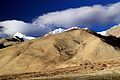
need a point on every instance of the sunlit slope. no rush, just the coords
(66, 49)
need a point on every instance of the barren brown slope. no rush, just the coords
(105, 70)
(62, 50)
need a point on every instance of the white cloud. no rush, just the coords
(96, 16)
(88, 16)
(10, 27)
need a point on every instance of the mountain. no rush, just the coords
(114, 31)
(58, 51)
(9, 42)
(60, 30)
(16, 39)
(19, 35)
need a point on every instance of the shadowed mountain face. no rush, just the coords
(70, 48)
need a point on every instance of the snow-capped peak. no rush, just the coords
(60, 30)
(72, 28)
(22, 36)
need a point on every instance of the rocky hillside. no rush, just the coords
(9, 42)
(55, 51)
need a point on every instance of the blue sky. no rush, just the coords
(38, 17)
(27, 10)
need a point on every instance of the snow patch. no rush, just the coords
(102, 33)
(22, 36)
(60, 30)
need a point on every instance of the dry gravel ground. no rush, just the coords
(105, 70)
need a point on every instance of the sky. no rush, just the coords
(37, 17)
(27, 10)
